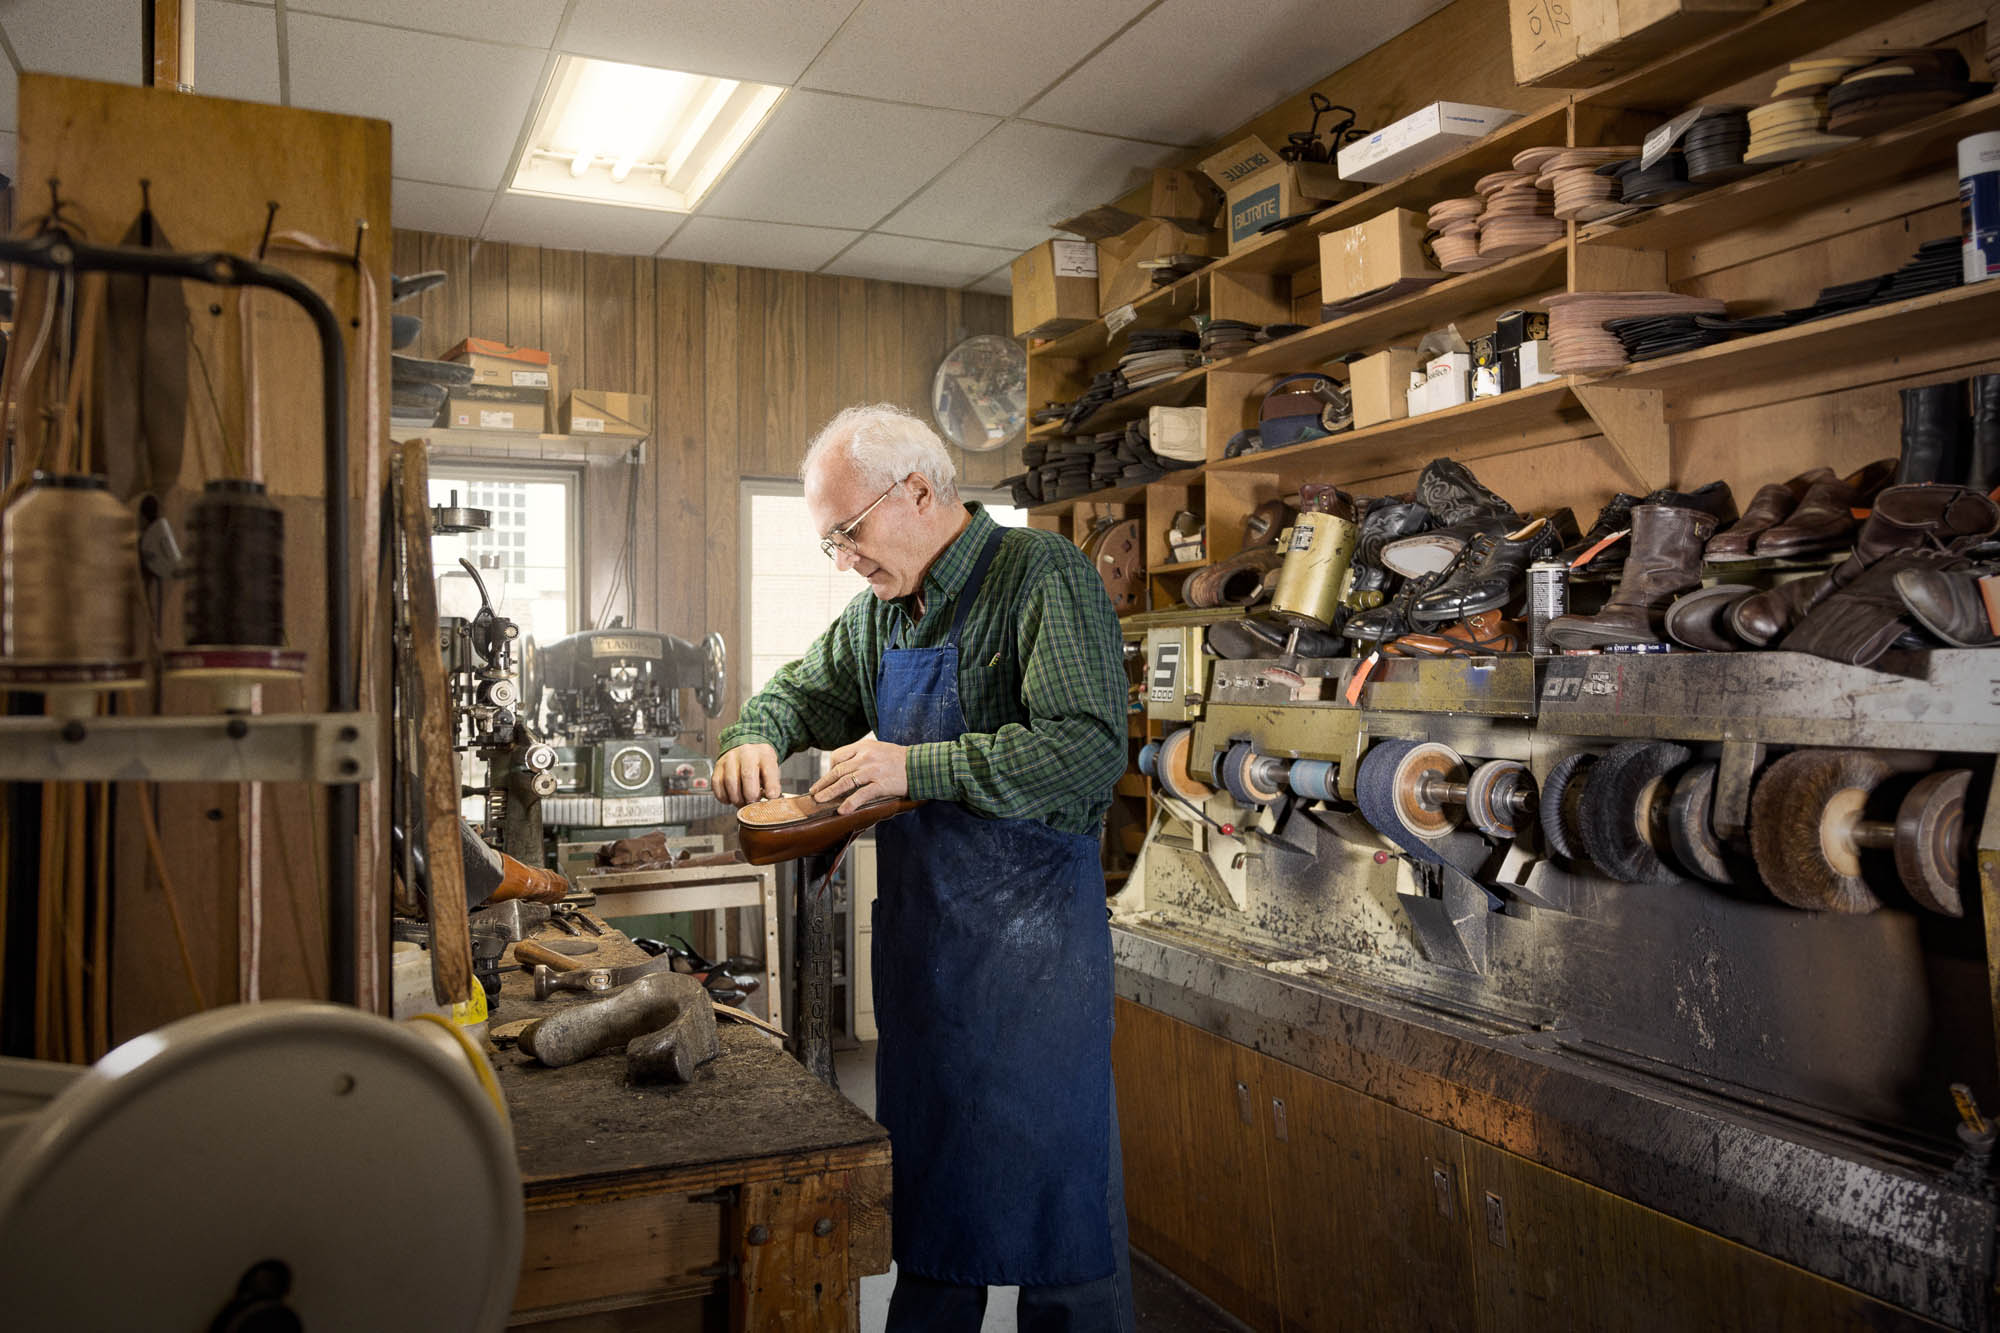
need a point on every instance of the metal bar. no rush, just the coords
(281, 747)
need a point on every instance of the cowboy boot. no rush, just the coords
(1903, 518)
(1983, 469)
(1934, 434)
(1770, 506)
(1452, 494)
(1489, 579)
(1824, 518)
(1385, 521)
(1664, 561)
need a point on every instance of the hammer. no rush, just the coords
(549, 978)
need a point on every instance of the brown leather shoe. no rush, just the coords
(1947, 602)
(1824, 518)
(1699, 619)
(789, 827)
(1237, 581)
(1770, 506)
(1482, 635)
(1665, 562)
(1903, 517)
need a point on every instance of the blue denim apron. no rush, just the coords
(993, 999)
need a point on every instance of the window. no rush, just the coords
(528, 557)
(792, 592)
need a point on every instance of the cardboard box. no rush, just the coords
(1261, 187)
(1420, 138)
(625, 416)
(497, 407)
(497, 363)
(1534, 364)
(1120, 279)
(1577, 43)
(1174, 195)
(1380, 386)
(1447, 383)
(1387, 249)
(1054, 288)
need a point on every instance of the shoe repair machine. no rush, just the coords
(1572, 887)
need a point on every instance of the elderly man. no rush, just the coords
(987, 663)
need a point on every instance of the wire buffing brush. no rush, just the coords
(1619, 814)
(1697, 847)
(1810, 832)
(1562, 791)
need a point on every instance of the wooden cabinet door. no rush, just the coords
(1370, 1219)
(1195, 1192)
(1555, 1254)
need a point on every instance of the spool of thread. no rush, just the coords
(68, 564)
(1979, 204)
(236, 568)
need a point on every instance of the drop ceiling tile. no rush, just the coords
(1253, 53)
(457, 106)
(932, 263)
(771, 41)
(1020, 180)
(566, 224)
(451, 209)
(974, 55)
(237, 48)
(840, 161)
(86, 39)
(757, 244)
(518, 22)
(1000, 282)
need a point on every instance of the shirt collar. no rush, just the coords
(949, 571)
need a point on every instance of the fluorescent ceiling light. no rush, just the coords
(639, 137)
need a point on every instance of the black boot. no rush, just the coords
(1983, 470)
(1386, 520)
(1934, 434)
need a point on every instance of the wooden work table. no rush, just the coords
(754, 1197)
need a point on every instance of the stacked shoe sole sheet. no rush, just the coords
(1581, 344)
(1792, 125)
(1508, 213)
(1582, 192)
(1224, 338)
(1714, 144)
(1153, 356)
(1898, 87)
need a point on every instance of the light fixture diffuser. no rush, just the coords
(635, 136)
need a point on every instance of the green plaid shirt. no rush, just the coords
(1041, 679)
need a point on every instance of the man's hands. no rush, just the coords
(862, 773)
(747, 773)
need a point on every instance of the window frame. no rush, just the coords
(569, 476)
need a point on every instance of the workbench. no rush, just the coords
(754, 1197)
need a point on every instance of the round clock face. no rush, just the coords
(980, 394)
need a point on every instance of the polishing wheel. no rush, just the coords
(1500, 798)
(1810, 832)
(1618, 814)
(1176, 749)
(1251, 778)
(1421, 779)
(1314, 779)
(1561, 791)
(1375, 787)
(1691, 831)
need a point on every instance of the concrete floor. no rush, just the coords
(1161, 1301)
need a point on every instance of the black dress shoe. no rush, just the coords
(1614, 517)
(1489, 578)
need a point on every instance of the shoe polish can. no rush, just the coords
(1548, 598)
(1979, 205)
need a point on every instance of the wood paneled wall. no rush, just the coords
(743, 365)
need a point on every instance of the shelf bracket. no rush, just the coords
(336, 749)
(1637, 432)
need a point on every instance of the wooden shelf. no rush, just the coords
(513, 444)
(1786, 30)
(1522, 275)
(1179, 567)
(1523, 419)
(1110, 495)
(1179, 391)
(1962, 316)
(1161, 308)
(1905, 153)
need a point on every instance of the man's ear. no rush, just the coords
(921, 493)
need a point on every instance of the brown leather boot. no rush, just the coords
(1237, 581)
(1770, 506)
(1665, 561)
(1903, 517)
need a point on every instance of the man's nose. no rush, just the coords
(845, 557)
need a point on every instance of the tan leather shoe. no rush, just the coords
(789, 827)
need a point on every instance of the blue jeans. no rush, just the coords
(925, 1305)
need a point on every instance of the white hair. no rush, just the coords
(885, 444)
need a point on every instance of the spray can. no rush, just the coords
(1979, 205)
(1548, 597)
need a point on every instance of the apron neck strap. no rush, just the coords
(970, 591)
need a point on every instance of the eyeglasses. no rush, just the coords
(839, 540)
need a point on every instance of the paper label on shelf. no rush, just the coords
(1116, 321)
(495, 420)
(1074, 259)
(1665, 136)
(586, 425)
(531, 379)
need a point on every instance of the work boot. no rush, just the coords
(1903, 518)
(1770, 506)
(1664, 562)
(1867, 618)
(1490, 576)
(1982, 471)
(1385, 521)
(1238, 581)
(1934, 434)
(1824, 518)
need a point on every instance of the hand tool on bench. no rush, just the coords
(570, 976)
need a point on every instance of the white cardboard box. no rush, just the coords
(1420, 137)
